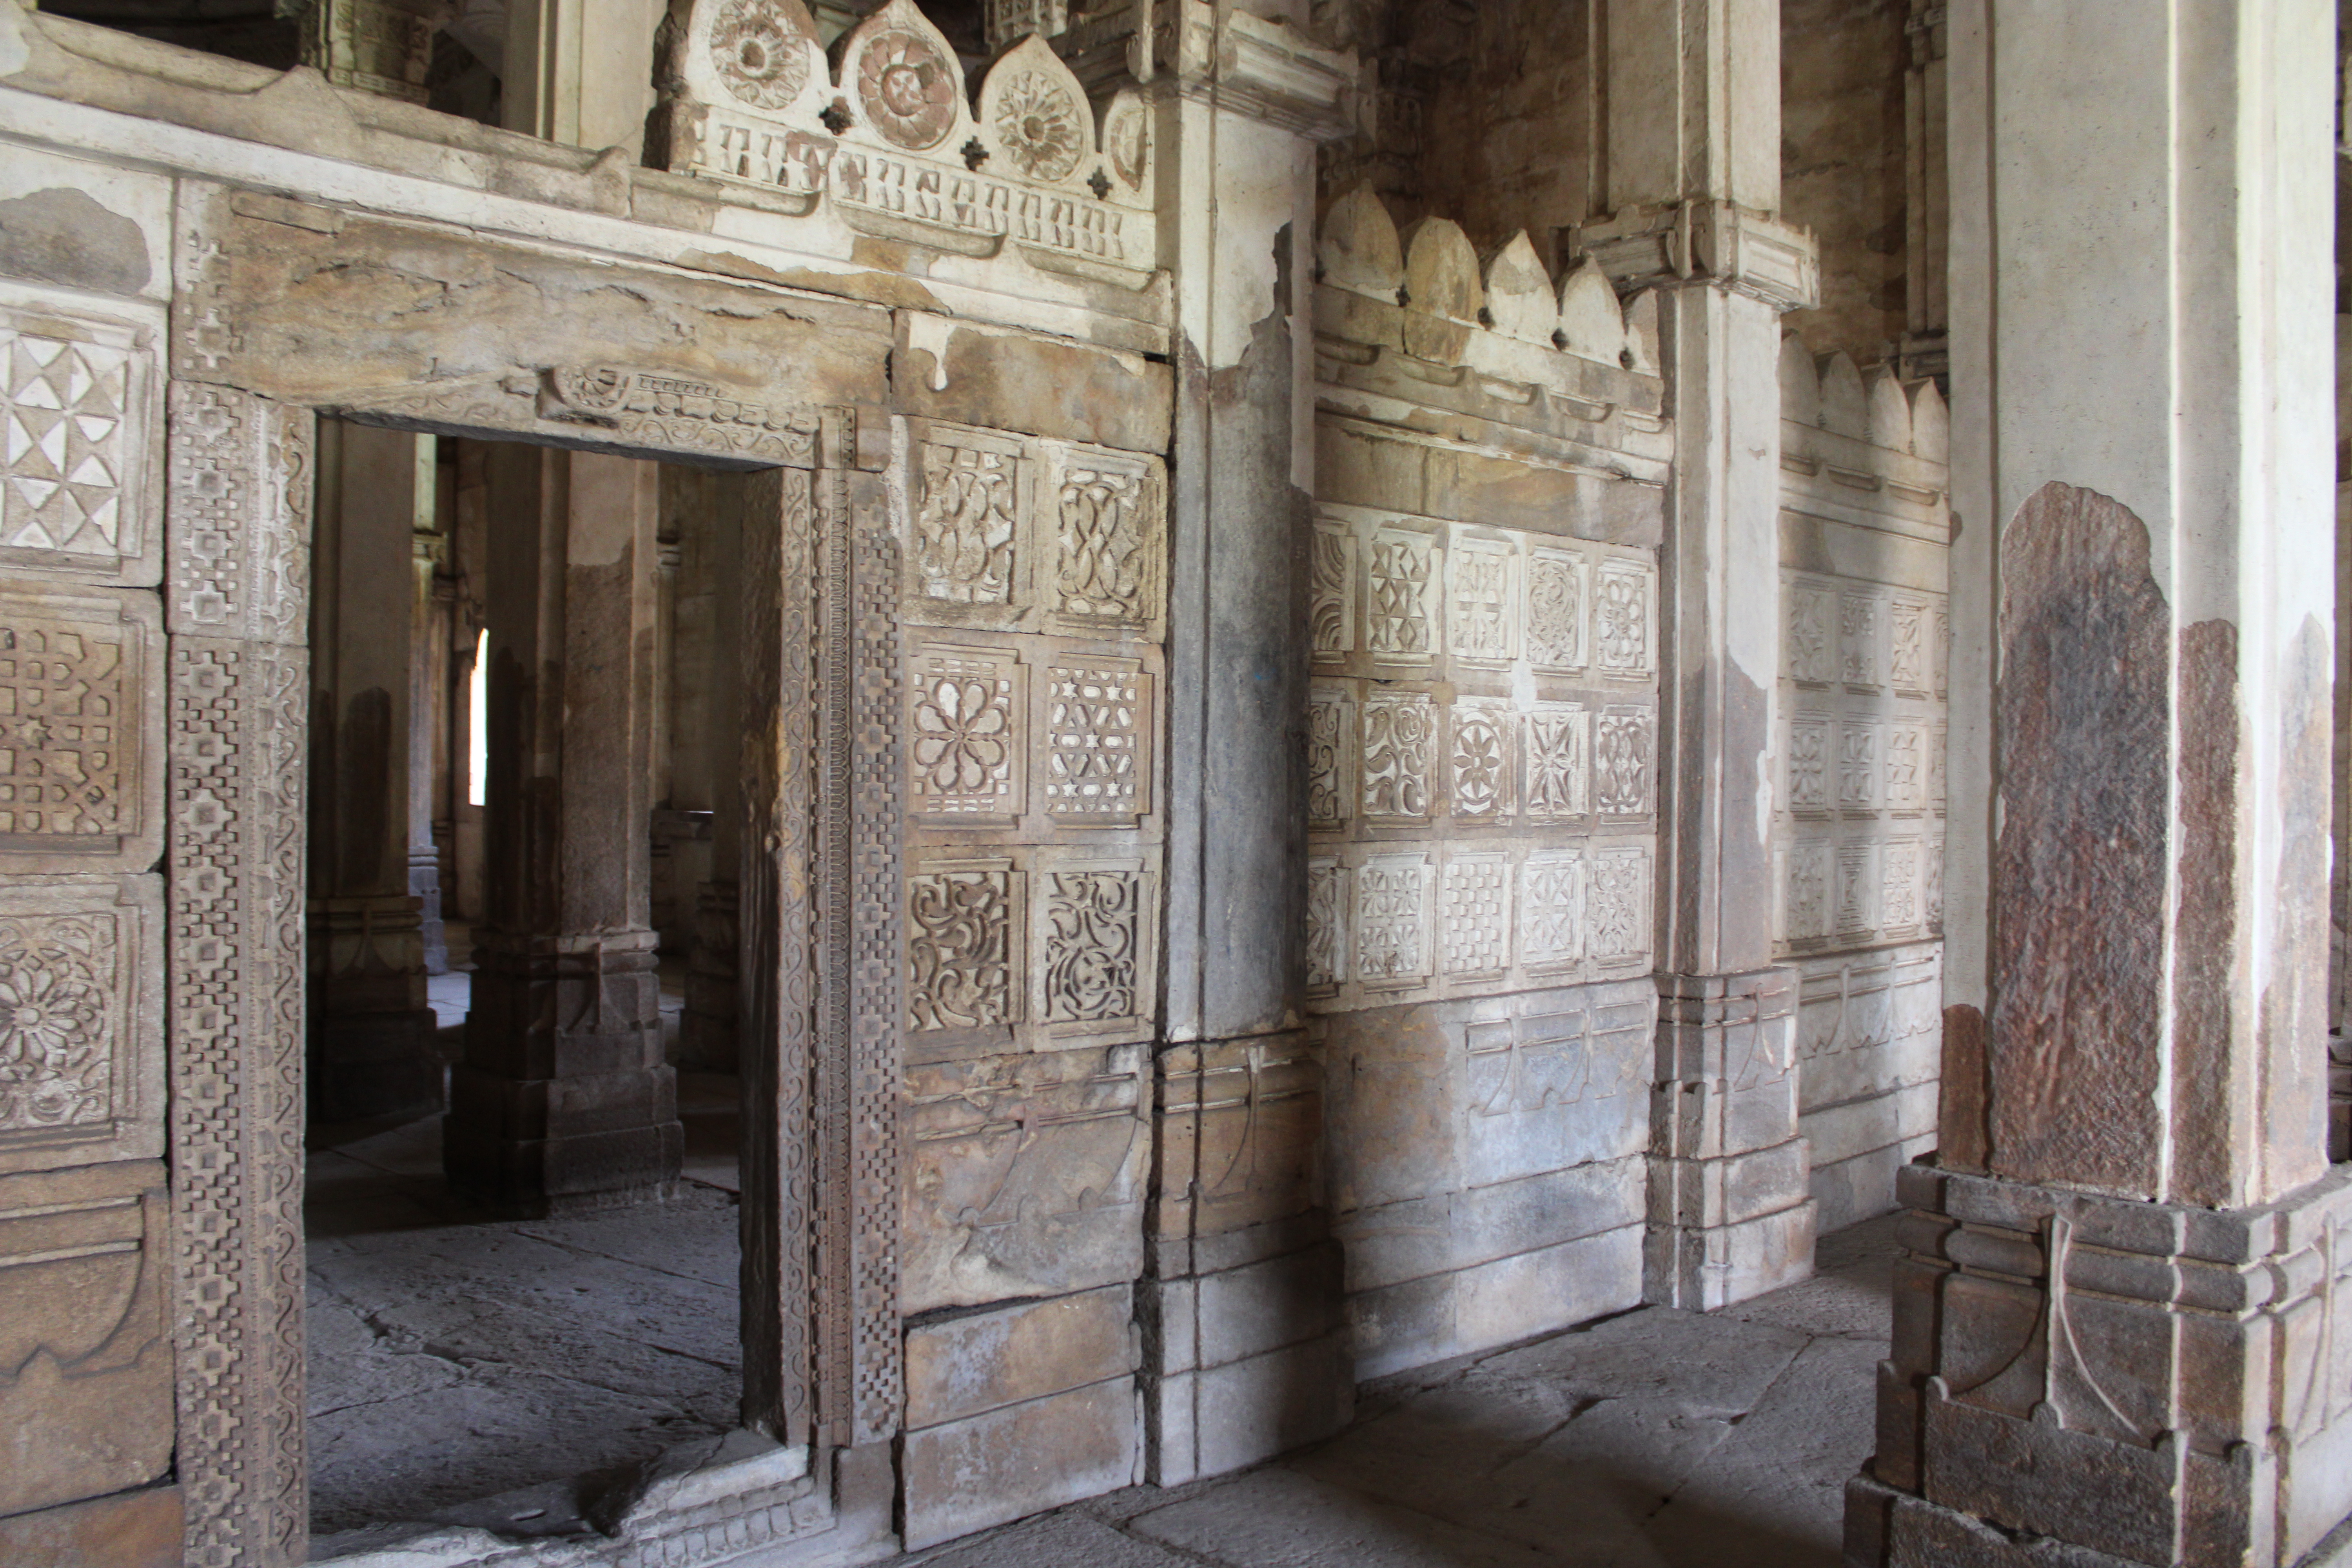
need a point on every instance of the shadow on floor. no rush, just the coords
(456, 1356)
(1652, 1439)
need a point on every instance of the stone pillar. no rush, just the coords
(707, 1039)
(563, 1100)
(372, 1033)
(1926, 199)
(428, 671)
(384, 47)
(2126, 1285)
(1693, 174)
(581, 71)
(1239, 110)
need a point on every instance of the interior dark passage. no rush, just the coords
(522, 1185)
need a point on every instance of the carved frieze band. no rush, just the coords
(823, 790)
(877, 1399)
(895, 146)
(235, 740)
(778, 1000)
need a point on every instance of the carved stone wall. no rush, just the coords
(1859, 851)
(1032, 606)
(1482, 741)
(87, 1243)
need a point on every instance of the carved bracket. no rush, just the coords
(1715, 242)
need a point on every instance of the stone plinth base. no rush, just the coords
(564, 1100)
(1731, 1214)
(1246, 1346)
(706, 1038)
(2080, 1381)
(372, 1031)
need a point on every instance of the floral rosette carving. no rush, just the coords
(53, 1027)
(1038, 128)
(961, 742)
(758, 53)
(908, 88)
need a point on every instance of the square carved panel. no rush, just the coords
(964, 959)
(1108, 515)
(1096, 937)
(970, 557)
(1095, 762)
(966, 748)
(81, 1042)
(80, 729)
(80, 433)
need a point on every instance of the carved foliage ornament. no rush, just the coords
(907, 83)
(1094, 935)
(760, 51)
(58, 1017)
(960, 923)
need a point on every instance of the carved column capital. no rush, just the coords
(1267, 69)
(1703, 241)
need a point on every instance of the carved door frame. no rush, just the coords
(820, 887)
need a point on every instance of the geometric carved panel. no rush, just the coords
(80, 729)
(1097, 716)
(1625, 635)
(82, 1043)
(79, 442)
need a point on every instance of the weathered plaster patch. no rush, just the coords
(2079, 886)
(59, 236)
(928, 334)
(1964, 1136)
(2205, 933)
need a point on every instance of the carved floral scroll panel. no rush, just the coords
(1033, 590)
(1860, 855)
(1481, 756)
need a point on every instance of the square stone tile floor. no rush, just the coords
(1652, 1440)
(456, 1356)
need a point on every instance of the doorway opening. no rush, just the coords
(523, 1193)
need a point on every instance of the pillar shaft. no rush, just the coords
(372, 1032)
(2123, 1282)
(1692, 176)
(428, 671)
(1237, 157)
(706, 1034)
(565, 1100)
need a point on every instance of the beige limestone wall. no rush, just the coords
(1860, 797)
(1482, 735)
(1842, 67)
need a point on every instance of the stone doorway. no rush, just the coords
(524, 1109)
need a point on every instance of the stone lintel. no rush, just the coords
(1707, 241)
